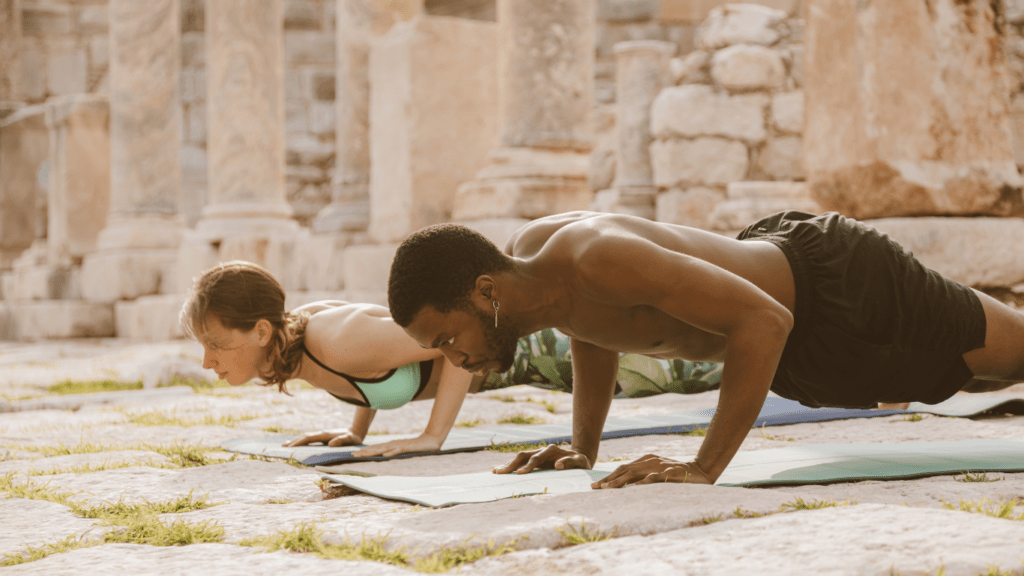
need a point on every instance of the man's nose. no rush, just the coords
(454, 356)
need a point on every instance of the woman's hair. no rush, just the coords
(241, 294)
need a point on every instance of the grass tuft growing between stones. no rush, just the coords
(87, 468)
(1004, 509)
(308, 538)
(92, 386)
(571, 535)
(702, 431)
(160, 419)
(799, 504)
(33, 553)
(520, 418)
(549, 406)
(279, 430)
(968, 476)
(469, 423)
(502, 398)
(514, 447)
(181, 455)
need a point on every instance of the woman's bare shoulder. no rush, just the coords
(363, 337)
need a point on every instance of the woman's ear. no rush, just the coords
(264, 330)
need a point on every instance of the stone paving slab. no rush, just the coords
(35, 522)
(219, 559)
(76, 401)
(867, 539)
(95, 460)
(247, 481)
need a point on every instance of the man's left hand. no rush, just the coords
(650, 469)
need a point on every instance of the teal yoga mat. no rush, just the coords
(776, 412)
(811, 464)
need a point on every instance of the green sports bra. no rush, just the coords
(396, 388)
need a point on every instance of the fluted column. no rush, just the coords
(546, 85)
(245, 102)
(144, 226)
(641, 71)
(358, 21)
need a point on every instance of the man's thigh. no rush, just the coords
(1002, 358)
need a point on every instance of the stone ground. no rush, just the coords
(118, 452)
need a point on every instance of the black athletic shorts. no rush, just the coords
(871, 324)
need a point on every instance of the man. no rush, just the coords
(820, 309)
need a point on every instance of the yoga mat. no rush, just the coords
(811, 464)
(776, 412)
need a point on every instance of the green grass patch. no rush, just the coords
(469, 423)
(520, 418)
(968, 476)
(160, 419)
(307, 538)
(87, 468)
(549, 406)
(702, 431)
(201, 386)
(378, 432)
(92, 386)
(913, 418)
(148, 529)
(572, 535)
(767, 436)
(33, 553)
(181, 455)
(514, 447)
(279, 430)
(62, 449)
(1005, 509)
(502, 398)
(800, 504)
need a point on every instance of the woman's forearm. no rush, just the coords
(362, 420)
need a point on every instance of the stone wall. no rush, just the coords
(1013, 46)
(735, 114)
(64, 48)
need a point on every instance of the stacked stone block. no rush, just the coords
(736, 113)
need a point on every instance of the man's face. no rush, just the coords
(467, 338)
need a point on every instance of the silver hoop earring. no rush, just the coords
(496, 305)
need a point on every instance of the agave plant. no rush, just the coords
(543, 360)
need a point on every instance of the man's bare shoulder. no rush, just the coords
(558, 233)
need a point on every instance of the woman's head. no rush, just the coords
(236, 311)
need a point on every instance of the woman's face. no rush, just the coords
(235, 355)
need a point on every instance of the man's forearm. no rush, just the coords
(751, 359)
(594, 373)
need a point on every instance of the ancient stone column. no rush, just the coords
(546, 79)
(641, 71)
(10, 55)
(24, 149)
(358, 21)
(906, 109)
(245, 101)
(144, 227)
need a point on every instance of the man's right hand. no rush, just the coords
(332, 438)
(551, 457)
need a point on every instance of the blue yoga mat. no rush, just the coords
(811, 464)
(776, 412)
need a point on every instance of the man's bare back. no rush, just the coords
(552, 248)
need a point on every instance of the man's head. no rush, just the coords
(442, 290)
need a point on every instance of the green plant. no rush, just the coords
(913, 418)
(799, 504)
(519, 418)
(33, 553)
(92, 386)
(973, 477)
(1003, 509)
(469, 423)
(514, 447)
(701, 431)
(445, 559)
(549, 406)
(279, 430)
(767, 436)
(503, 398)
(572, 536)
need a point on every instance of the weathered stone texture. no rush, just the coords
(702, 160)
(697, 110)
(428, 138)
(782, 158)
(692, 68)
(546, 71)
(925, 128)
(788, 112)
(689, 207)
(740, 24)
(79, 189)
(748, 202)
(10, 50)
(696, 11)
(601, 171)
(33, 321)
(24, 148)
(246, 100)
(747, 67)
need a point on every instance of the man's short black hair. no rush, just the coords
(438, 266)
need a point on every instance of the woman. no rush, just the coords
(359, 355)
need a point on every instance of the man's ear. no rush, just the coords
(264, 330)
(484, 288)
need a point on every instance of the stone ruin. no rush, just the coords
(142, 142)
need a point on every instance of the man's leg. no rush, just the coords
(1002, 358)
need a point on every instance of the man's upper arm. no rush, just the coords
(623, 269)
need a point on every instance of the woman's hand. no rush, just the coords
(421, 443)
(332, 438)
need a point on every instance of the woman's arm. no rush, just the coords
(452, 388)
(353, 436)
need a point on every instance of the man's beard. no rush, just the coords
(503, 340)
